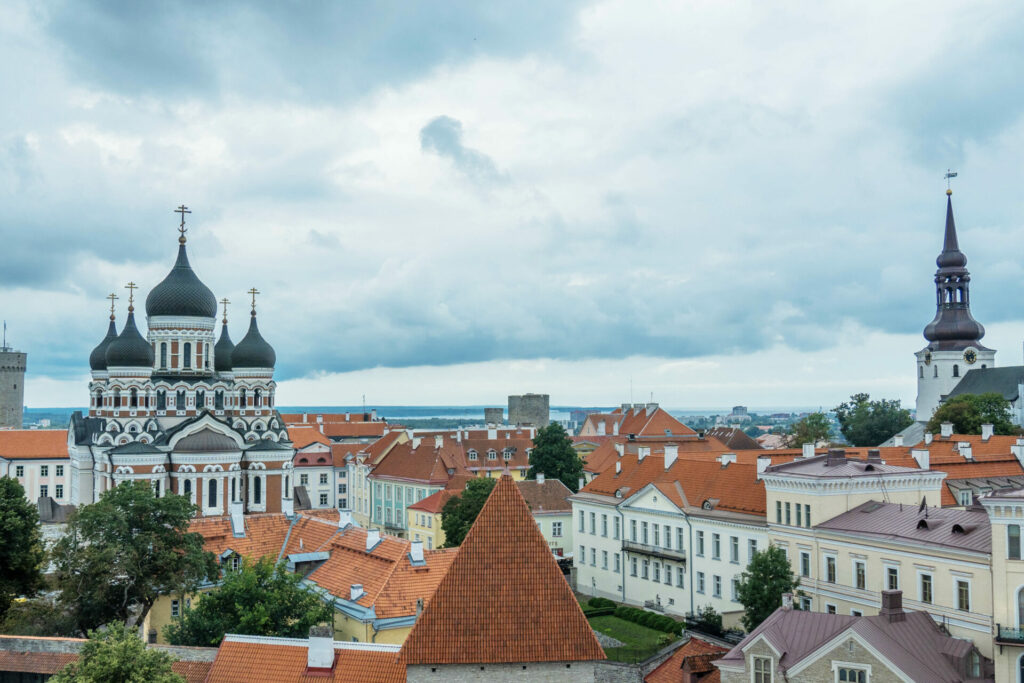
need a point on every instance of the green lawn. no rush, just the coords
(640, 642)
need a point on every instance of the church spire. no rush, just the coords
(951, 256)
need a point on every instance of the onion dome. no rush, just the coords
(953, 325)
(223, 350)
(951, 256)
(253, 351)
(181, 293)
(129, 350)
(98, 357)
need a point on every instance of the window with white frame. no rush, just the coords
(925, 591)
(236, 562)
(700, 582)
(668, 574)
(617, 529)
(716, 547)
(59, 470)
(323, 499)
(805, 563)
(830, 568)
(657, 534)
(830, 609)
(860, 574)
(847, 673)
(716, 585)
(44, 470)
(645, 569)
(44, 491)
(892, 578)
(805, 603)
(304, 480)
(1013, 541)
(473, 455)
(583, 518)
(593, 557)
(963, 595)
(604, 559)
(680, 577)
(19, 470)
(604, 525)
(323, 477)
(734, 549)
(632, 530)
(752, 549)
(735, 595)
(175, 608)
(700, 544)
(593, 524)
(679, 538)
(556, 529)
(633, 567)
(583, 555)
(657, 571)
(644, 528)
(58, 490)
(762, 670)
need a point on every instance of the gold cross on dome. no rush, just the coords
(254, 292)
(131, 287)
(113, 297)
(225, 302)
(182, 210)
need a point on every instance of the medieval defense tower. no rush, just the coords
(12, 385)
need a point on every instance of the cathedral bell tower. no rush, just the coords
(953, 335)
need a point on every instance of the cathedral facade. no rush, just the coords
(191, 414)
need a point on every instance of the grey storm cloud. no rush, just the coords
(443, 136)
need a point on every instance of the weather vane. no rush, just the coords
(254, 292)
(113, 297)
(949, 176)
(131, 287)
(182, 210)
(225, 302)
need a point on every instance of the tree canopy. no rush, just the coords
(117, 654)
(968, 412)
(122, 552)
(762, 584)
(459, 513)
(554, 455)
(864, 422)
(259, 599)
(811, 429)
(21, 545)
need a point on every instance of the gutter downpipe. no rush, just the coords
(689, 526)
(622, 535)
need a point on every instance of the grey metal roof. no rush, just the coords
(253, 351)
(912, 434)
(818, 467)
(135, 448)
(222, 350)
(1004, 381)
(86, 428)
(206, 440)
(129, 350)
(947, 527)
(98, 357)
(181, 293)
(268, 445)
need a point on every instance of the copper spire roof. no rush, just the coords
(504, 598)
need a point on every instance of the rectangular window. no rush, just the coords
(830, 569)
(615, 558)
(59, 470)
(778, 512)
(679, 538)
(805, 604)
(304, 480)
(604, 559)
(668, 536)
(19, 470)
(323, 477)
(680, 577)
(556, 529)
(645, 567)
(175, 608)
(583, 555)
(805, 563)
(657, 572)
(618, 531)
(762, 670)
(845, 674)
(657, 534)
(700, 582)
(604, 525)
(583, 522)
(807, 515)
(593, 557)
(856, 613)
(633, 568)
(963, 595)
(44, 470)
(859, 575)
(632, 530)
(668, 574)
(926, 588)
(716, 584)
(799, 517)
(716, 547)
(643, 532)
(788, 518)
(44, 491)
(735, 589)
(323, 499)
(734, 549)
(59, 490)
(593, 524)
(1013, 541)
(752, 550)
(700, 544)
(830, 609)
(892, 578)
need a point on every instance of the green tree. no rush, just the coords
(261, 599)
(459, 513)
(968, 412)
(554, 455)
(38, 617)
(762, 584)
(708, 620)
(864, 422)
(21, 545)
(116, 654)
(122, 552)
(811, 429)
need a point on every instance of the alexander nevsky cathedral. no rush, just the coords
(191, 414)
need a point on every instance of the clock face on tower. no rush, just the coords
(970, 356)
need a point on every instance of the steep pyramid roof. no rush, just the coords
(504, 599)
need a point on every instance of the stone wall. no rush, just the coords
(12, 388)
(529, 409)
(531, 672)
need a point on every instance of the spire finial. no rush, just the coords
(131, 287)
(225, 302)
(950, 174)
(181, 229)
(113, 297)
(254, 292)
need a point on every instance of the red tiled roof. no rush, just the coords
(434, 502)
(285, 660)
(425, 464)
(551, 496)
(637, 421)
(340, 430)
(304, 435)
(35, 662)
(475, 609)
(33, 443)
(696, 655)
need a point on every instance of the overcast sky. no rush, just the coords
(449, 202)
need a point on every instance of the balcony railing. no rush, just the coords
(1014, 636)
(654, 551)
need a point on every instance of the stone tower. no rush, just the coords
(531, 410)
(953, 335)
(12, 386)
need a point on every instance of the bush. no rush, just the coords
(653, 620)
(601, 602)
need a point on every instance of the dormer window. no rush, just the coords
(507, 455)
(492, 454)
(473, 455)
(762, 669)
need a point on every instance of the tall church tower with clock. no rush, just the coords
(954, 335)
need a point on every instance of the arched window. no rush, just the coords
(187, 355)
(163, 355)
(287, 494)
(179, 401)
(211, 499)
(241, 397)
(257, 396)
(200, 399)
(257, 490)
(99, 398)
(133, 398)
(956, 370)
(921, 373)
(218, 400)
(187, 491)
(156, 487)
(234, 492)
(206, 356)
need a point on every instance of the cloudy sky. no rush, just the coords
(715, 203)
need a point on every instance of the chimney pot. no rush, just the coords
(892, 606)
(928, 438)
(763, 463)
(438, 440)
(671, 454)
(898, 441)
(987, 430)
(787, 601)
(344, 518)
(946, 429)
(416, 442)
(580, 483)
(808, 450)
(620, 448)
(372, 539)
(618, 467)
(321, 647)
(836, 456)
(540, 478)
(923, 458)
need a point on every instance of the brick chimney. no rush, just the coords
(320, 657)
(836, 456)
(874, 455)
(892, 606)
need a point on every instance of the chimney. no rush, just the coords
(987, 430)
(321, 427)
(237, 519)
(348, 416)
(763, 463)
(615, 428)
(923, 458)
(836, 456)
(1018, 451)
(892, 606)
(946, 429)
(355, 592)
(416, 552)
(305, 418)
(458, 436)
(320, 419)
(321, 647)
(897, 441)
(580, 484)
(726, 458)
(373, 414)
(874, 455)
(620, 448)
(372, 539)
(642, 452)
(671, 453)
(787, 601)
(492, 433)
(416, 442)
(344, 518)
(438, 440)
(928, 438)
(808, 450)
(618, 467)
(288, 507)
(965, 450)
(601, 429)
(419, 607)
(540, 478)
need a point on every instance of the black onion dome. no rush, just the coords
(253, 351)
(129, 349)
(98, 357)
(222, 351)
(181, 293)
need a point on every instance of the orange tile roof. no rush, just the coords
(284, 660)
(33, 443)
(340, 430)
(604, 456)
(35, 662)
(519, 447)
(305, 435)
(551, 496)
(634, 421)
(434, 502)
(476, 608)
(696, 655)
(425, 464)
(192, 672)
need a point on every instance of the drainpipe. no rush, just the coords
(622, 536)
(690, 556)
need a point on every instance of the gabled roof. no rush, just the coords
(427, 464)
(647, 420)
(306, 435)
(263, 659)
(696, 656)
(26, 444)
(1004, 381)
(434, 502)
(551, 496)
(524, 613)
(946, 527)
(734, 438)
